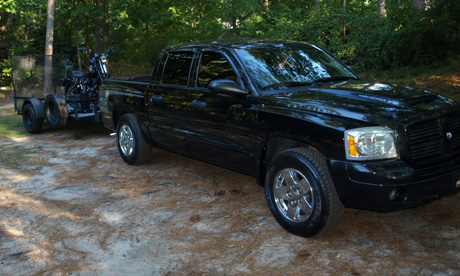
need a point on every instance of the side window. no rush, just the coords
(177, 68)
(214, 66)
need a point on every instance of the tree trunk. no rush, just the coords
(106, 25)
(77, 42)
(344, 22)
(3, 21)
(264, 4)
(48, 85)
(50, 28)
(417, 4)
(97, 31)
(77, 39)
(87, 35)
(192, 21)
(235, 25)
(382, 12)
(317, 4)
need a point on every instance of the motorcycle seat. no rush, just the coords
(78, 74)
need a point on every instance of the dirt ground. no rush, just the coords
(69, 205)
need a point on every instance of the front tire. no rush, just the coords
(132, 146)
(32, 123)
(300, 192)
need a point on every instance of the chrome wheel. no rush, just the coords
(131, 144)
(126, 140)
(293, 195)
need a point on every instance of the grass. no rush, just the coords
(11, 125)
(17, 156)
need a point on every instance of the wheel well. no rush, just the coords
(272, 148)
(118, 112)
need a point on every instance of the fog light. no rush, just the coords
(393, 195)
(397, 195)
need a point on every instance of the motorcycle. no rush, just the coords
(83, 86)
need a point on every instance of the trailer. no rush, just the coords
(39, 93)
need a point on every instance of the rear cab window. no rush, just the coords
(177, 66)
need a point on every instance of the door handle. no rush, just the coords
(157, 98)
(198, 104)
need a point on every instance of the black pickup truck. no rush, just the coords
(298, 120)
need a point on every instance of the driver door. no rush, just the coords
(221, 124)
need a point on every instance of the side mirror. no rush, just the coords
(226, 87)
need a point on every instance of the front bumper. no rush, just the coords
(392, 185)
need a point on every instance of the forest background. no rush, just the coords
(368, 35)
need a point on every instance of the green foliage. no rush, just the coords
(357, 36)
(353, 31)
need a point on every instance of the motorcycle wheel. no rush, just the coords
(71, 89)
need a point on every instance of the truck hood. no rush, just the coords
(376, 103)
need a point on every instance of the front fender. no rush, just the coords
(322, 131)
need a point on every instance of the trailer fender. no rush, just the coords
(37, 105)
(56, 111)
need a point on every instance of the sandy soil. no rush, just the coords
(70, 206)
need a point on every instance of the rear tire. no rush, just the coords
(300, 192)
(32, 123)
(56, 111)
(132, 146)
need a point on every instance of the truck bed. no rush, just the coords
(140, 78)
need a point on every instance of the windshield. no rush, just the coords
(277, 65)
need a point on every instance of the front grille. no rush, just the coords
(454, 125)
(432, 141)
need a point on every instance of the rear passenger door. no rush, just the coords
(167, 102)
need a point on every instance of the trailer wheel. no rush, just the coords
(132, 146)
(56, 111)
(32, 123)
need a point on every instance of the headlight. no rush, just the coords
(103, 58)
(370, 143)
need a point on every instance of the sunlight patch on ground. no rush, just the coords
(453, 80)
(20, 139)
(11, 176)
(13, 232)
(24, 203)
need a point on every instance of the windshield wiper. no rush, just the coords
(336, 78)
(287, 84)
